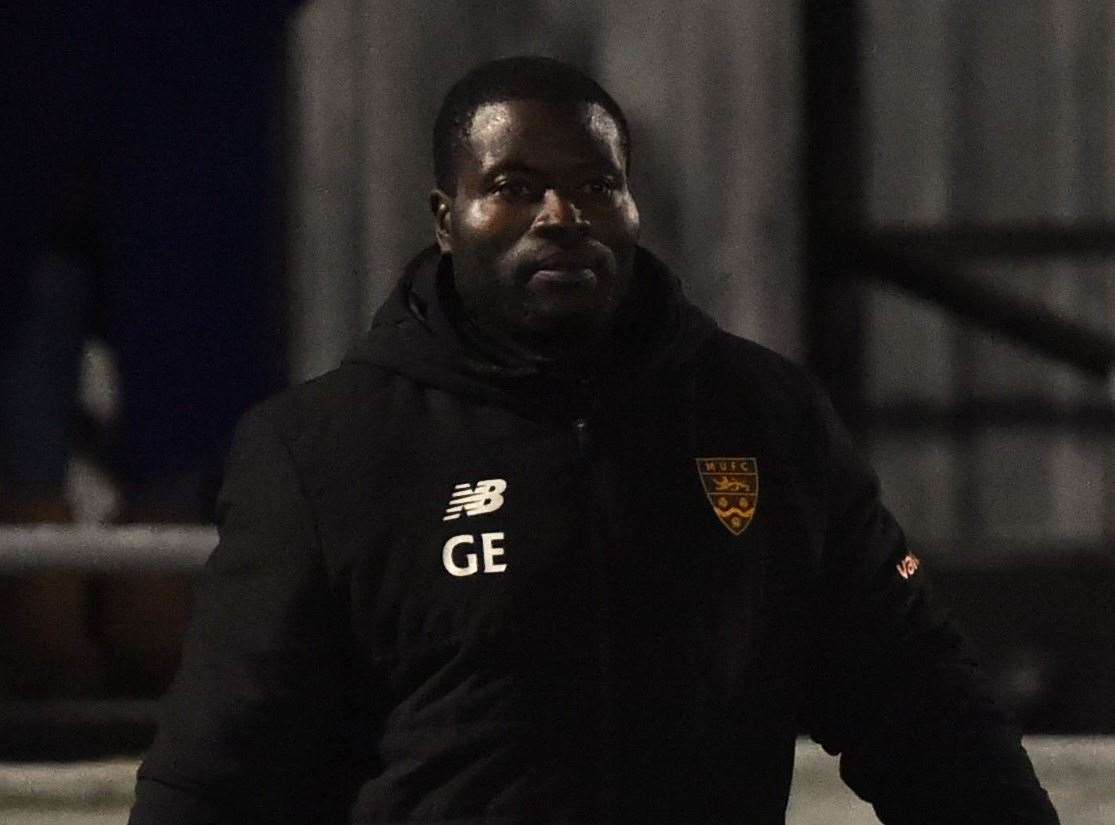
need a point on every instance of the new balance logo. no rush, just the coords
(485, 497)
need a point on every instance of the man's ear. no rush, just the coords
(441, 205)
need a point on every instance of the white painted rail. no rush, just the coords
(101, 548)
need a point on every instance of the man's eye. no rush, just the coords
(514, 189)
(599, 187)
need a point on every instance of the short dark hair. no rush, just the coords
(512, 78)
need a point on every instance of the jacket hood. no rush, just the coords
(420, 332)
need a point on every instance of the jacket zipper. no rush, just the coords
(604, 641)
(584, 441)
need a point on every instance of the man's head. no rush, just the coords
(531, 160)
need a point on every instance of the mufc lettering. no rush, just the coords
(727, 465)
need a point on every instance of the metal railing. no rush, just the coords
(103, 549)
(923, 265)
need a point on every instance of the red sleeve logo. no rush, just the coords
(908, 566)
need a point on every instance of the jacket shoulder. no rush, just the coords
(301, 412)
(771, 380)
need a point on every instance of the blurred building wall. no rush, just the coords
(710, 88)
(1003, 474)
(994, 114)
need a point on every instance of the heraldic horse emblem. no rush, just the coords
(732, 488)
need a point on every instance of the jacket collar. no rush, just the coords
(420, 331)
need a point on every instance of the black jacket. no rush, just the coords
(452, 588)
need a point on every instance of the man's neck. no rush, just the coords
(576, 352)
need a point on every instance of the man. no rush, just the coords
(549, 547)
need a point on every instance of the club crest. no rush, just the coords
(732, 487)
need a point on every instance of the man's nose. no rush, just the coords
(559, 211)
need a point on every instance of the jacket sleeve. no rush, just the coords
(260, 724)
(899, 695)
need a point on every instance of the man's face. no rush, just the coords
(542, 228)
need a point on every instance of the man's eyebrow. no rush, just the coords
(596, 166)
(511, 166)
(588, 167)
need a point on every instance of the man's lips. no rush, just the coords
(562, 277)
(565, 268)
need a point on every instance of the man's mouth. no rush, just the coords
(565, 269)
(565, 276)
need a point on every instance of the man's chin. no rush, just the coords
(572, 331)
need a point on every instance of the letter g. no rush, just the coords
(455, 569)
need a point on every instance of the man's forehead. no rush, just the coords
(497, 124)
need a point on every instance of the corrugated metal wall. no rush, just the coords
(994, 113)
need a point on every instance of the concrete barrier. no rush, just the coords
(1079, 773)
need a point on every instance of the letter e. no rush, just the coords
(491, 552)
